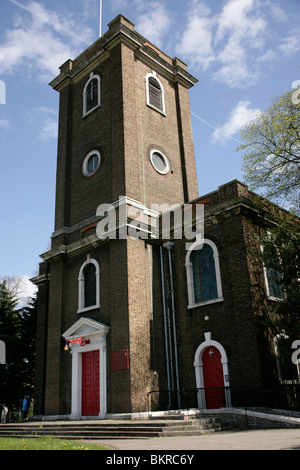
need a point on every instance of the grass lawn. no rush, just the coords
(46, 443)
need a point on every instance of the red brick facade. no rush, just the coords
(124, 129)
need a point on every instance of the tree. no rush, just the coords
(271, 161)
(281, 255)
(17, 330)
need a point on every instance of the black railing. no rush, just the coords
(283, 397)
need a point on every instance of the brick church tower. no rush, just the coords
(124, 132)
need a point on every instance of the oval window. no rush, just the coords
(91, 163)
(159, 162)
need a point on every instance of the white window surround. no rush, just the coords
(163, 110)
(267, 286)
(198, 364)
(81, 308)
(198, 244)
(92, 77)
(86, 160)
(96, 332)
(164, 158)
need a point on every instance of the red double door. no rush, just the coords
(213, 378)
(90, 404)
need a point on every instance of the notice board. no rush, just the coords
(120, 360)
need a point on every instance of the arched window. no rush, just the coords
(91, 94)
(272, 274)
(90, 295)
(155, 93)
(203, 273)
(89, 286)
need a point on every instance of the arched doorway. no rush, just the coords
(211, 371)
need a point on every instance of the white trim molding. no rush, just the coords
(81, 281)
(92, 77)
(198, 364)
(96, 333)
(198, 245)
(161, 110)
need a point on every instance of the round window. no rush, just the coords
(91, 163)
(159, 162)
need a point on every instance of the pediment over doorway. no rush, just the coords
(86, 327)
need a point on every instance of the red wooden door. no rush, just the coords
(90, 384)
(213, 378)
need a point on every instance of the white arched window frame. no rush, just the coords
(198, 245)
(93, 76)
(150, 102)
(81, 286)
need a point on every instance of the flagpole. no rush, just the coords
(100, 22)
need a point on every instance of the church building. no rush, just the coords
(126, 323)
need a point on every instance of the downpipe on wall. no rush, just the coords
(169, 246)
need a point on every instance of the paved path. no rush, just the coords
(278, 439)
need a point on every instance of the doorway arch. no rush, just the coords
(211, 354)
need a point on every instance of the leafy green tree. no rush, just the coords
(281, 255)
(271, 159)
(18, 331)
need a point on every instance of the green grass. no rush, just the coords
(46, 443)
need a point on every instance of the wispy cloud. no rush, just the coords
(47, 119)
(234, 42)
(154, 23)
(239, 116)
(4, 124)
(41, 39)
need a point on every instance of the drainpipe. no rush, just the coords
(169, 246)
(170, 349)
(165, 324)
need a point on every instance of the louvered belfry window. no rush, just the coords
(155, 93)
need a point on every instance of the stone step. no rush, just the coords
(110, 430)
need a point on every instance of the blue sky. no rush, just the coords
(243, 52)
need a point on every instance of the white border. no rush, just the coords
(198, 244)
(163, 110)
(92, 76)
(85, 163)
(81, 308)
(198, 364)
(167, 169)
(96, 332)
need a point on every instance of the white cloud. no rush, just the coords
(118, 4)
(197, 39)
(38, 39)
(21, 287)
(238, 117)
(155, 23)
(26, 291)
(4, 124)
(234, 42)
(241, 19)
(49, 130)
(47, 118)
(290, 45)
